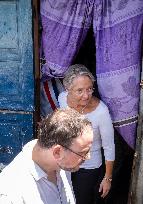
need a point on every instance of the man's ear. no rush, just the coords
(58, 152)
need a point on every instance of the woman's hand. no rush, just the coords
(106, 182)
(104, 187)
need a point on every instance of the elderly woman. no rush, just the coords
(79, 83)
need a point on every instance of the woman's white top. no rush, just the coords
(103, 133)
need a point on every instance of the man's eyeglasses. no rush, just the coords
(83, 157)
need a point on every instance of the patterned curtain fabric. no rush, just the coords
(118, 59)
(117, 26)
(65, 25)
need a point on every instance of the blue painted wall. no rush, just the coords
(16, 77)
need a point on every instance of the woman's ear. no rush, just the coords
(58, 152)
(67, 89)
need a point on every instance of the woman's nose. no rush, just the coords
(85, 94)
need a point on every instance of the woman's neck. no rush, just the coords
(78, 107)
(83, 109)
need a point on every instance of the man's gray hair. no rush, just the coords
(61, 127)
(76, 71)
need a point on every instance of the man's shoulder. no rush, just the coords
(17, 171)
(15, 182)
(13, 174)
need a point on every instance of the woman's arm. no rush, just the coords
(107, 137)
(108, 170)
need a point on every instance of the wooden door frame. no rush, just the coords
(36, 48)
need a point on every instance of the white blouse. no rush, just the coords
(103, 133)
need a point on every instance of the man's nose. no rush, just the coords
(87, 156)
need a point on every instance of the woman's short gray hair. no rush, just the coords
(76, 71)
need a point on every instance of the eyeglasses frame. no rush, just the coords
(81, 156)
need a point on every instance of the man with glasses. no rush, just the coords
(36, 175)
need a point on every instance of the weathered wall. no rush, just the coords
(136, 189)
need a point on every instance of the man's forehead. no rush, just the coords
(87, 128)
(84, 138)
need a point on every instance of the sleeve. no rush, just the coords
(5, 200)
(62, 100)
(107, 135)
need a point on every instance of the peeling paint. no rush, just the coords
(16, 78)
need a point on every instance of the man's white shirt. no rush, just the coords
(24, 182)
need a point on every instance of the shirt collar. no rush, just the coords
(35, 169)
(37, 172)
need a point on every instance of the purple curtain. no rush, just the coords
(65, 24)
(117, 26)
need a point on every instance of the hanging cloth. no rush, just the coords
(65, 25)
(117, 29)
(118, 33)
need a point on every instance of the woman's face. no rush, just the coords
(81, 90)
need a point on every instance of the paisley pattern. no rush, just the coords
(117, 26)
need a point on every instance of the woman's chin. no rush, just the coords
(84, 103)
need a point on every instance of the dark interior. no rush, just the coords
(124, 154)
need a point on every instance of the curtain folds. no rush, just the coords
(117, 27)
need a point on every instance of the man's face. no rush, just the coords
(78, 152)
